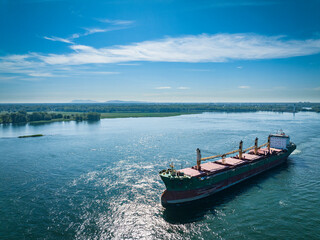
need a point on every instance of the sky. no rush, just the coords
(55, 51)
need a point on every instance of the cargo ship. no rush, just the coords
(205, 179)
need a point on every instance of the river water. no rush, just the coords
(100, 180)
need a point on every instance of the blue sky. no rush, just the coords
(159, 51)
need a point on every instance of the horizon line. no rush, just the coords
(143, 102)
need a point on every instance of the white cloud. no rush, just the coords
(83, 48)
(117, 25)
(94, 30)
(239, 67)
(90, 31)
(28, 66)
(191, 49)
(21, 64)
(15, 57)
(40, 74)
(75, 35)
(57, 39)
(244, 87)
(201, 48)
(183, 88)
(4, 78)
(117, 21)
(162, 88)
(97, 30)
(317, 88)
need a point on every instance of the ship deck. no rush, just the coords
(221, 165)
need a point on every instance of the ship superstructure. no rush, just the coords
(205, 179)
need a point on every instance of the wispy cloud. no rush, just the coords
(191, 49)
(57, 39)
(162, 88)
(90, 31)
(239, 67)
(117, 21)
(113, 25)
(200, 48)
(244, 87)
(21, 64)
(40, 74)
(7, 79)
(183, 88)
(317, 88)
(94, 30)
(28, 66)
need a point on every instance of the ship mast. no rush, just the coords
(198, 159)
(240, 149)
(256, 146)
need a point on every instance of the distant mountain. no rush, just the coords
(83, 101)
(111, 101)
(120, 101)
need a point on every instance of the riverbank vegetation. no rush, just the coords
(23, 117)
(21, 113)
(160, 107)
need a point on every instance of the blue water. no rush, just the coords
(100, 180)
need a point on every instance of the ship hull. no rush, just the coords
(224, 180)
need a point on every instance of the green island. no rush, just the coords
(52, 112)
(34, 135)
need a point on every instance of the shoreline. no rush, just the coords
(108, 116)
(137, 115)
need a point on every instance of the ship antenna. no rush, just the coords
(172, 166)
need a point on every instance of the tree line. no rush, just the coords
(24, 117)
(161, 107)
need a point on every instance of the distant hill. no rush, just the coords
(120, 101)
(83, 101)
(111, 101)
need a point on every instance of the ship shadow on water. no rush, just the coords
(196, 210)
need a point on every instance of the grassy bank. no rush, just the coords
(136, 115)
(110, 115)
